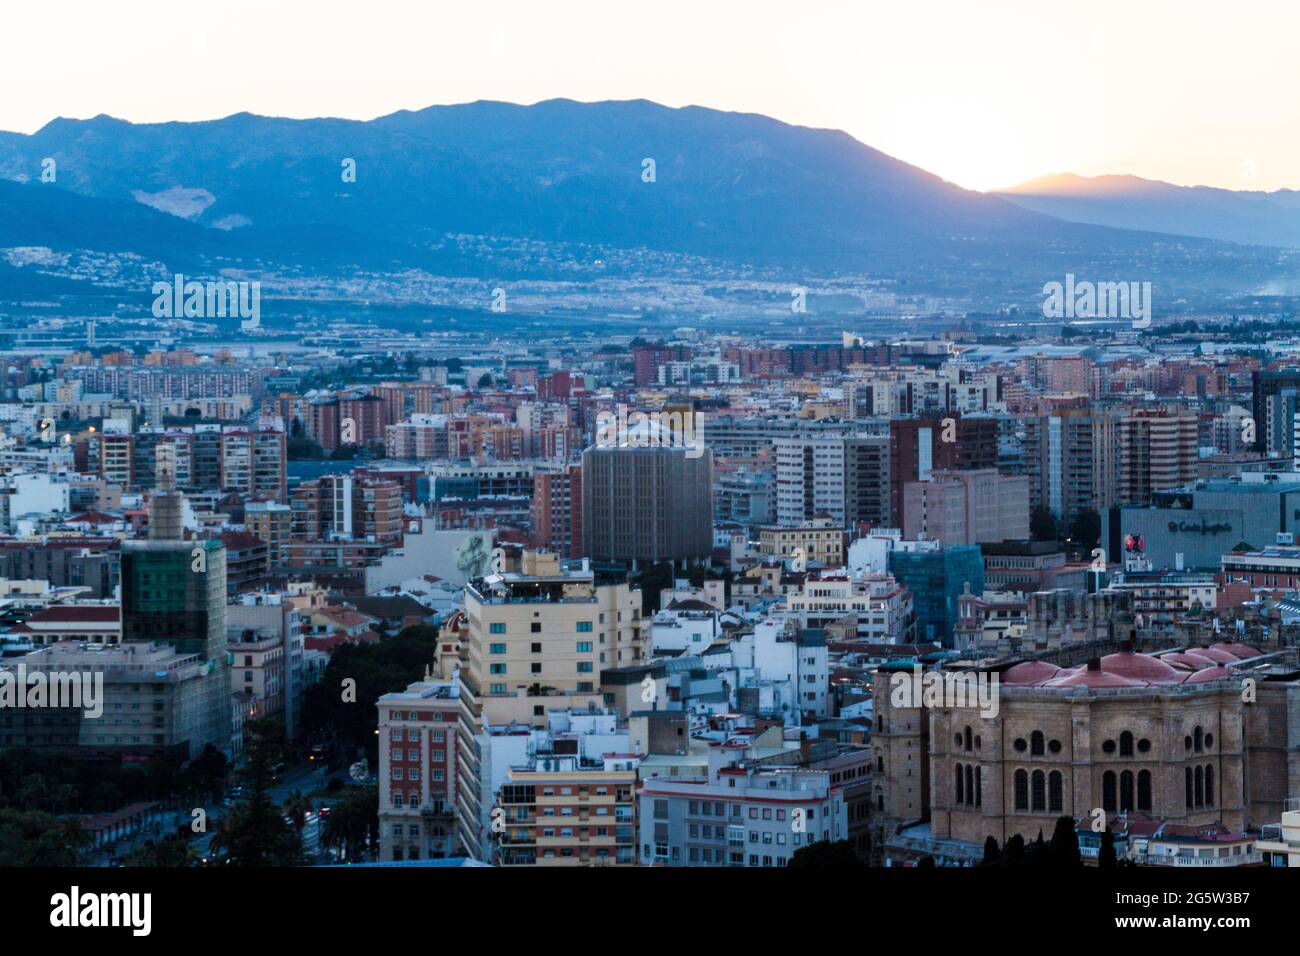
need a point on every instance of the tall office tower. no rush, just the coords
(1072, 460)
(555, 515)
(918, 445)
(1158, 451)
(647, 504)
(1271, 422)
(174, 594)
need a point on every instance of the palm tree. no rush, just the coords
(170, 851)
(353, 822)
(74, 835)
(296, 807)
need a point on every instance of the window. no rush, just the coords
(584, 667)
(496, 649)
(497, 628)
(584, 647)
(959, 789)
(1189, 791)
(1039, 791)
(1126, 791)
(1209, 784)
(1144, 790)
(1054, 802)
(1022, 790)
(1200, 785)
(584, 627)
(497, 668)
(1036, 743)
(1108, 801)
(1126, 744)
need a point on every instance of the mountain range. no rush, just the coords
(1130, 202)
(259, 192)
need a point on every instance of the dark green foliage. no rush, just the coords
(377, 668)
(826, 853)
(255, 833)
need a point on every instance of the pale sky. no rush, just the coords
(985, 93)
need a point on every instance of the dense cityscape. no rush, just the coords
(653, 603)
(585, 471)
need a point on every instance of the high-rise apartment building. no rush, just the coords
(1158, 451)
(845, 477)
(346, 508)
(920, 445)
(539, 636)
(543, 629)
(555, 515)
(1072, 460)
(272, 522)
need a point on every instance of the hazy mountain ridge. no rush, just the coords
(730, 187)
(1131, 202)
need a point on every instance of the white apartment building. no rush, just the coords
(742, 814)
(882, 605)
